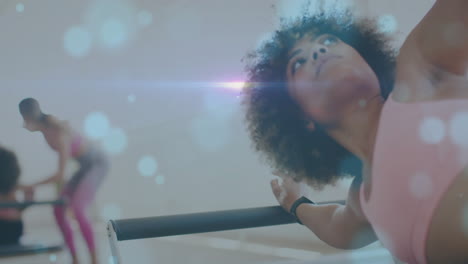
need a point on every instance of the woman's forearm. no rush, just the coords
(336, 226)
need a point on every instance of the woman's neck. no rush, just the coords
(357, 132)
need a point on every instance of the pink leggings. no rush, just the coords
(79, 194)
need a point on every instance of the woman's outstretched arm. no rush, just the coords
(441, 38)
(340, 226)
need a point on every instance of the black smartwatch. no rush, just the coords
(296, 204)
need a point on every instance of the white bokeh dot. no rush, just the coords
(111, 212)
(459, 129)
(115, 141)
(160, 180)
(77, 41)
(53, 258)
(20, 7)
(96, 125)
(144, 18)
(131, 98)
(113, 33)
(432, 130)
(147, 166)
(421, 185)
(112, 23)
(387, 24)
(362, 103)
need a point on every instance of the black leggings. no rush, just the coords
(10, 232)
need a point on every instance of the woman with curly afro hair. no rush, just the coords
(328, 94)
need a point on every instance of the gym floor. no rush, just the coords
(223, 248)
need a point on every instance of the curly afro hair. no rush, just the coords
(275, 121)
(9, 171)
